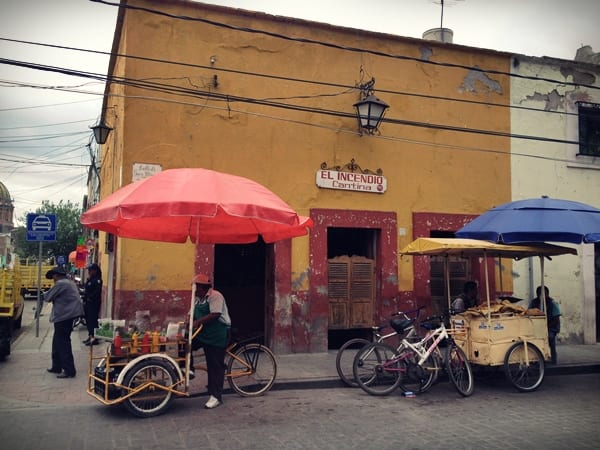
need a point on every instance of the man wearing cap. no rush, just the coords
(91, 301)
(210, 311)
(66, 306)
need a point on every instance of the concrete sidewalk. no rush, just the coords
(23, 375)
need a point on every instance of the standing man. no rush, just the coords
(66, 306)
(210, 311)
(91, 301)
(552, 316)
(466, 300)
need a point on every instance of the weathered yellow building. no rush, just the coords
(271, 98)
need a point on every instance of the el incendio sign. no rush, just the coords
(351, 181)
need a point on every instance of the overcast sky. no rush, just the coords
(44, 129)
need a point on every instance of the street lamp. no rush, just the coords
(370, 110)
(101, 132)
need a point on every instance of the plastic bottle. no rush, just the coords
(163, 340)
(117, 344)
(134, 343)
(155, 336)
(146, 343)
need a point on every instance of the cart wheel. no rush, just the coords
(524, 366)
(251, 371)
(150, 400)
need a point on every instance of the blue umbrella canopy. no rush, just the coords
(536, 220)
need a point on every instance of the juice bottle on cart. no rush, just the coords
(146, 343)
(117, 344)
(134, 343)
(155, 337)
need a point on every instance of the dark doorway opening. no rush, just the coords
(350, 242)
(240, 277)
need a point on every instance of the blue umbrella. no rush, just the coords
(536, 220)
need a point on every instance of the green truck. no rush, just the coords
(11, 307)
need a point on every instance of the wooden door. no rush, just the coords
(351, 291)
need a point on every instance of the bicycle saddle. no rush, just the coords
(399, 325)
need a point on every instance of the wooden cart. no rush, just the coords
(146, 375)
(498, 333)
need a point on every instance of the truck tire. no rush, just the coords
(5, 337)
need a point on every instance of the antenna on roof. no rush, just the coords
(441, 34)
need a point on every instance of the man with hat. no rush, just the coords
(92, 295)
(210, 311)
(66, 306)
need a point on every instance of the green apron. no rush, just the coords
(214, 333)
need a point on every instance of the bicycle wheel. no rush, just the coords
(251, 370)
(151, 400)
(376, 370)
(459, 370)
(345, 358)
(524, 367)
(417, 378)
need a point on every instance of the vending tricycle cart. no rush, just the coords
(145, 374)
(498, 333)
(182, 205)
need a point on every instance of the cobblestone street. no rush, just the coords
(560, 415)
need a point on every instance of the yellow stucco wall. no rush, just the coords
(428, 170)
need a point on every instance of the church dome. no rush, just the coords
(4, 194)
(6, 209)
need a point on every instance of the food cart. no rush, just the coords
(183, 205)
(497, 333)
(145, 372)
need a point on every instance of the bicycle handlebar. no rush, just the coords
(405, 314)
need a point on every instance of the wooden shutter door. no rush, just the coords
(338, 288)
(351, 291)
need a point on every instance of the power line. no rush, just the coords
(299, 80)
(337, 46)
(176, 90)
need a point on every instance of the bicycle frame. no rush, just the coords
(229, 351)
(436, 336)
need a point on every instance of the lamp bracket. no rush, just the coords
(367, 88)
(351, 167)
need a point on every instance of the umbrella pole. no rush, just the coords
(188, 352)
(487, 294)
(447, 278)
(500, 274)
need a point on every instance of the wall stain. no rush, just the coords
(553, 100)
(470, 82)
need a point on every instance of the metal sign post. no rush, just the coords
(40, 227)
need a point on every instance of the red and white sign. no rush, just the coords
(351, 181)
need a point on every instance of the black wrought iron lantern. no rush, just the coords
(101, 132)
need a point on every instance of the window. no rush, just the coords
(589, 129)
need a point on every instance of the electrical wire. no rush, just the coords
(299, 80)
(337, 46)
(170, 89)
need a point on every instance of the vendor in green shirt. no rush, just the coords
(210, 311)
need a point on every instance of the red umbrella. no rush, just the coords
(204, 205)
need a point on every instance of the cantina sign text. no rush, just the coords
(351, 181)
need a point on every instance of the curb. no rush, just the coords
(329, 383)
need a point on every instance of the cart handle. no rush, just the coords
(195, 333)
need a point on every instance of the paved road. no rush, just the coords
(563, 414)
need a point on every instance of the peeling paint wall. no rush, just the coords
(556, 170)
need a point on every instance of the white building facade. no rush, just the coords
(555, 151)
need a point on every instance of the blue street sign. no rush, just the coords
(41, 227)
